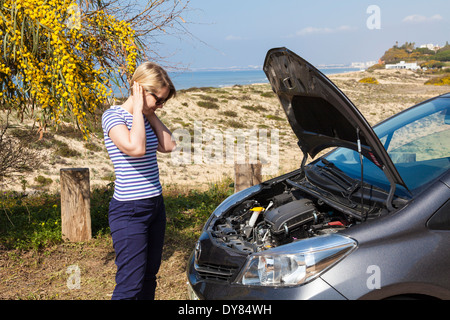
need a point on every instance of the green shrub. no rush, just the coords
(256, 108)
(235, 124)
(442, 56)
(208, 104)
(230, 113)
(43, 181)
(63, 150)
(31, 222)
(268, 95)
(92, 146)
(432, 64)
(208, 98)
(34, 221)
(271, 117)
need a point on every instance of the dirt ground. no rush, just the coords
(82, 271)
(86, 270)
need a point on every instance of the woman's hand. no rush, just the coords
(132, 142)
(165, 142)
(138, 98)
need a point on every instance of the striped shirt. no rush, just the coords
(136, 177)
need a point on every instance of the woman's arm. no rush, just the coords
(165, 142)
(132, 142)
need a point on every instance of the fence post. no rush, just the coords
(246, 175)
(75, 204)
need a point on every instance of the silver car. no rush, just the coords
(368, 220)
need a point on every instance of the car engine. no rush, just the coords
(286, 217)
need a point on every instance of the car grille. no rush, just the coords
(215, 272)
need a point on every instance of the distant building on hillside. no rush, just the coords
(430, 46)
(363, 65)
(403, 65)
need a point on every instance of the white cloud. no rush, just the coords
(417, 18)
(345, 28)
(314, 30)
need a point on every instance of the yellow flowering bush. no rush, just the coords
(440, 81)
(369, 80)
(57, 59)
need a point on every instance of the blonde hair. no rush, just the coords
(153, 77)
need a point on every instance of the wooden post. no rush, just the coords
(246, 175)
(75, 204)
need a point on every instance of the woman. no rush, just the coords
(133, 133)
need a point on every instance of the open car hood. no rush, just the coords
(320, 114)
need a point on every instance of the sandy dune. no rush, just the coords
(232, 112)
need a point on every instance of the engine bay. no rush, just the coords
(277, 216)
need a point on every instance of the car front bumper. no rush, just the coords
(205, 289)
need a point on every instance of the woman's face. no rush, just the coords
(155, 100)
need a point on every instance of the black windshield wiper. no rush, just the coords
(348, 184)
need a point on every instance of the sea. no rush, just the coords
(224, 78)
(218, 79)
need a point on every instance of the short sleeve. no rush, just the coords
(110, 119)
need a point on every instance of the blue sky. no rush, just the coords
(238, 33)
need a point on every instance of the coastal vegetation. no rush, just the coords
(409, 53)
(439, 81)
(433, 62)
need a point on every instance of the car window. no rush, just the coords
(418, 142)
(424, 139)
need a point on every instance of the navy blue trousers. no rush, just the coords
(137, 229)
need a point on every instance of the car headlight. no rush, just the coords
(295, 263)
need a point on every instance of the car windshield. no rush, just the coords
(418, 142)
